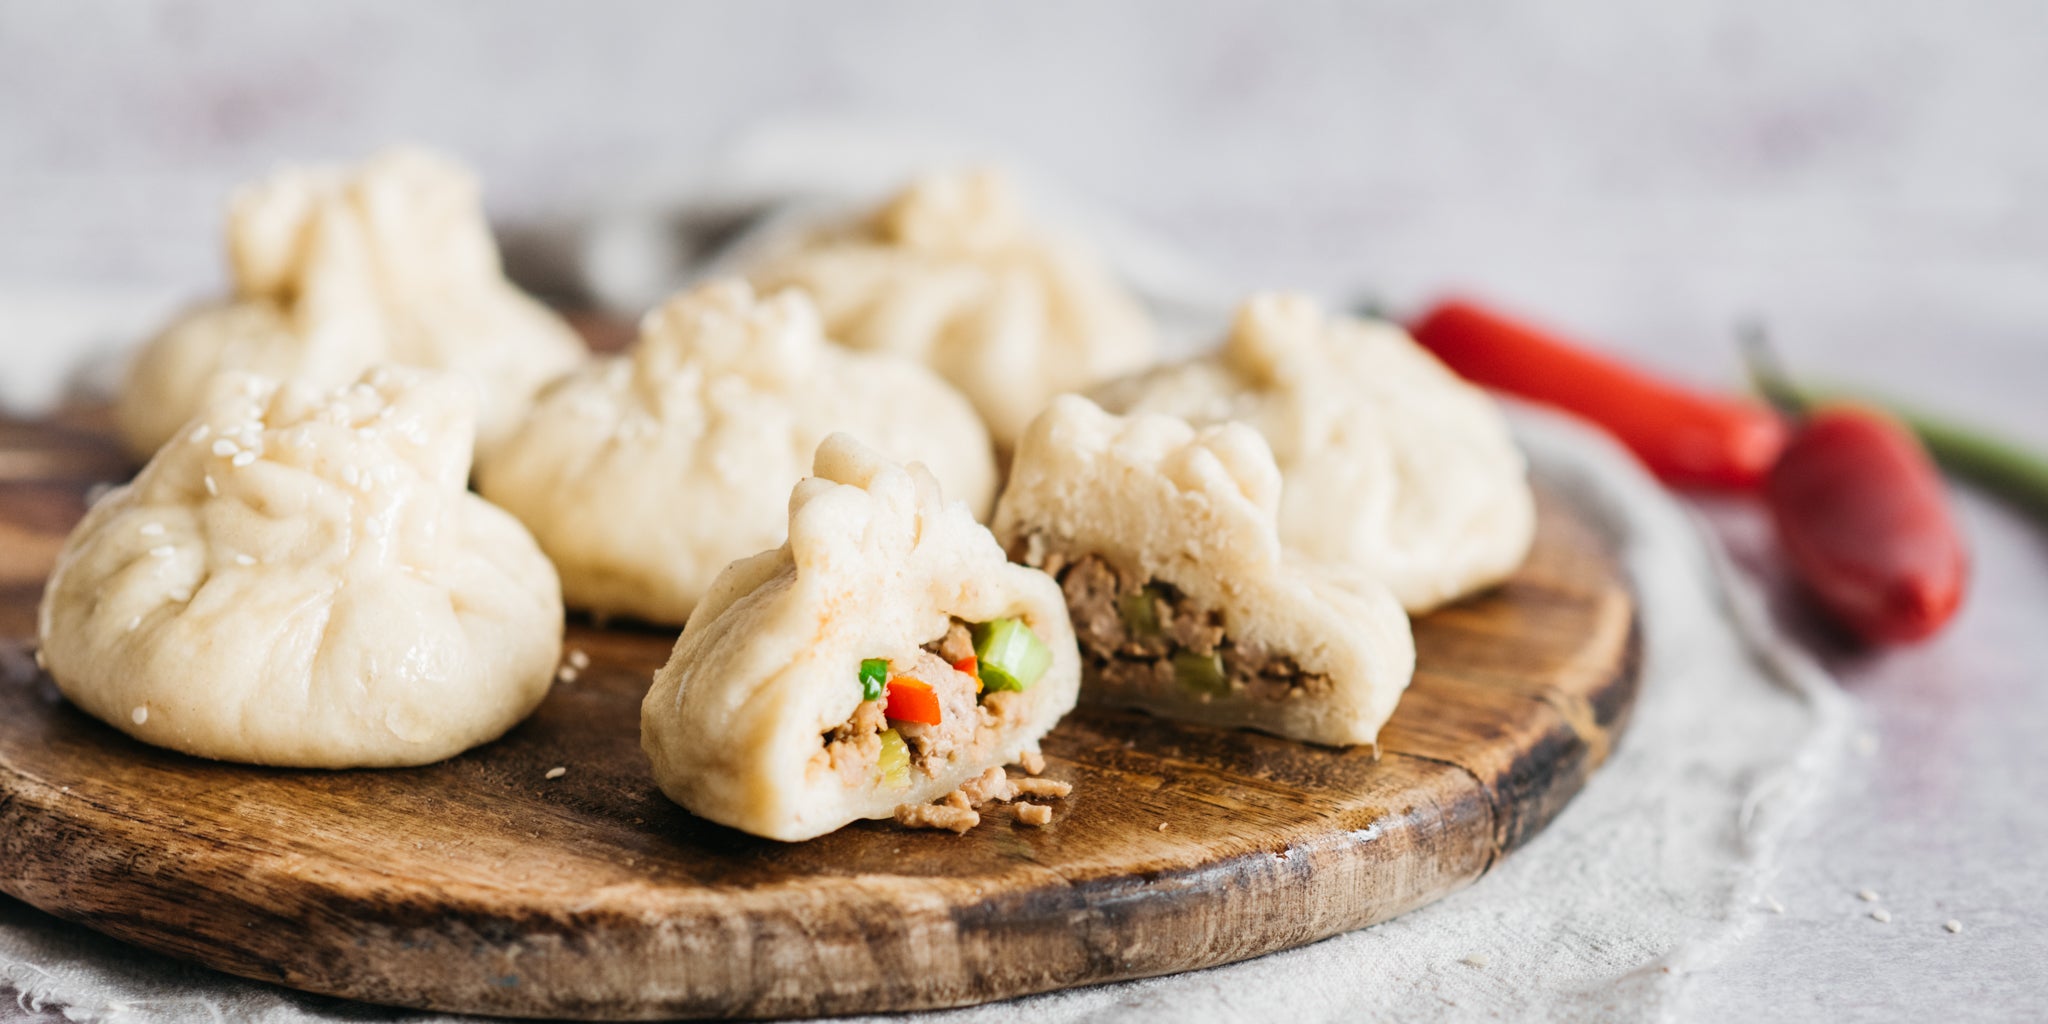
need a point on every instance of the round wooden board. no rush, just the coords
(479, 885)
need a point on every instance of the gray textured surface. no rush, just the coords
(1873, 177)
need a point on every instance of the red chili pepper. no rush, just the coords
(912, 700)
(1687, 438)
(1864, 516)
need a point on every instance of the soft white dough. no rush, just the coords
(644, 475)
(950, 271)
(300, 578)
(1197, 510)
(338, 269)
(1393, 463)
(876, 562)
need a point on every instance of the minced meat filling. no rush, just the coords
(1145, 635)
(968, 722)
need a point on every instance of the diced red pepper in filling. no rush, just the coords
(970, 666)
(912, 700)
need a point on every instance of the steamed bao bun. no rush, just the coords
(644, 474)
(876, 565)
(951, 272)
(1393, 463)
(336, 270)
(301, 579)
(1197, 509)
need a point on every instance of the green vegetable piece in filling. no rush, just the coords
(1140, 612)
(1010, 655)
(1202, 673)
(895, 762)
(873, 673)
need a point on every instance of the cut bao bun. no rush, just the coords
(1164, 540)
(759, 720)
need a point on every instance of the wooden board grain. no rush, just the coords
(480, 885)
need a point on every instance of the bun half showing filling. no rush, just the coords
(1164, 543)
(882, 657)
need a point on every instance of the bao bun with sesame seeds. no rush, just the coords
(764, 718)
(300, 578)
(644, 474)
(1393, 464)
(953, 272)
(338, 269)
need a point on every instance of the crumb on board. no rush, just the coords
(1881, 916)
(1867, 895)
(940, 815)
(1033, 762)
(578, 660)
(993, 784)
(1475, 960)
(566, 674)
(959, 810)
(1041, 788)
(556, 772)
(1954, 927)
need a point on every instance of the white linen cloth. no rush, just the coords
(1660, 864)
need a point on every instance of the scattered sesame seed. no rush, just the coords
(1771, 903)
(1954, 927)
(577, 659)
(224, 447)
(211, 487)
(1475, 960)
(1867, 895)
(139, 715)
(245, 560)
(152, 529)
(162, 551)
(242, 459)
(1162, 826)
(1881, 916)
(556, 772)
(199, 433)
(566, 673)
